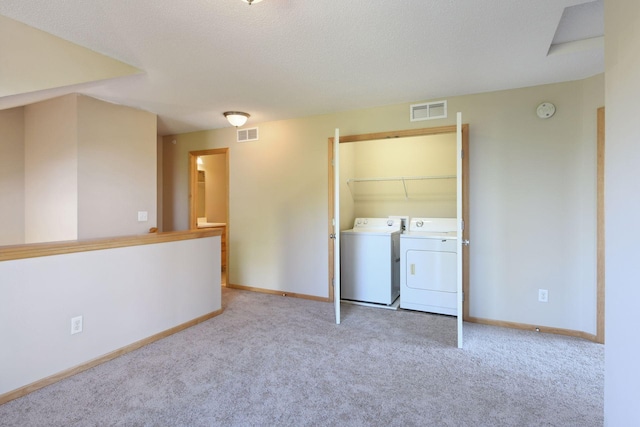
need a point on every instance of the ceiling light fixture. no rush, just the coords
(251, 1)
(236, 118)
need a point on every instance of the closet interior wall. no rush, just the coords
(412, 176)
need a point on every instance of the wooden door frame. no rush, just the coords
(193, 188)
(465, 193)
(600, 239)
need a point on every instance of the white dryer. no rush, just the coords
(370, 261)
(428, 271)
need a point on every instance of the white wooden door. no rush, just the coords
(336, 224)
(460, 223)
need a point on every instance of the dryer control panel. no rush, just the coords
(438, 225)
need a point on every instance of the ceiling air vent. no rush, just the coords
(245, 135)
(428, 111)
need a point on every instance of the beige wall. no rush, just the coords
(159, 183)
(532, 199)
(12, 176)
(51, 170)
(215, 187)
(116, 169)
(77, 168)
(409, 157)
(34, 60)
(622, 204)
(532, 188)
(347, 160)
(277, 202)
(170, 171)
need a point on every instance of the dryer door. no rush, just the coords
(431, 270)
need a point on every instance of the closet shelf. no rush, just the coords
(402, 179)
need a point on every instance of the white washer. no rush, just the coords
(370, 261)
(428, 266)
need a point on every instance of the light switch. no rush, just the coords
(143, 216)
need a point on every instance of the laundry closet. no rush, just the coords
(371, 172)
(386, 187)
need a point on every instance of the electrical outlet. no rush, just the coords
(543, 295)
(143, 216)
(76, 325)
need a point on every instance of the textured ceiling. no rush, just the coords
(281, 59)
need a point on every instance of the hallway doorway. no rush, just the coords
(209, 196)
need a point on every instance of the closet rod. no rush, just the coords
(401, 178)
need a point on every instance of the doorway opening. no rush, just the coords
(209, 196)
(465, 195)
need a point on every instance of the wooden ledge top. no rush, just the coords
(35, 250)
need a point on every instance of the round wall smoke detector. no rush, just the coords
(546, 110)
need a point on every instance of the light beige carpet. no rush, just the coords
(279, 361)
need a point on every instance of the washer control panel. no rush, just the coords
(377, 223)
